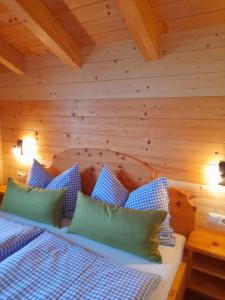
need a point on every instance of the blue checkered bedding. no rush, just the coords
(52, 268)
(14, 236)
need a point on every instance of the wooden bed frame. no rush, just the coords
(132, 172)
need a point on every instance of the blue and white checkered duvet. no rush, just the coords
(52, 268)
(14, 236)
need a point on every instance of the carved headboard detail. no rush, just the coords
(131, 171)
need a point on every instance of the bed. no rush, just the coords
(132, 172)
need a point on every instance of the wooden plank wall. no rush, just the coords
(169, 112)
(1, 157)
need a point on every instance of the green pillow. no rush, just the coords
(34, 203)
(131, 230)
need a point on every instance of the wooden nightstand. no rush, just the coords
(206, 264)
(2, 192)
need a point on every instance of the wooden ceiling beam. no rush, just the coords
(11, 58)
(40, 21)
(142, 26)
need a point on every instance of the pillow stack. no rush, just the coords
(135, 222)
(152, 196)
(128, 221)
(70, 180)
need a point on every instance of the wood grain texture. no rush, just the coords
(192, 65)
(93, 22)
(11, 58)
(43, 24)
(2, 192)
(209, 265)
(207, 243)
(180, 153)
(207, 286)
(183, 212)
(131, 172)
(178, 288)
(169, 113)
(141, 23)
(206, 252)
(1, 157)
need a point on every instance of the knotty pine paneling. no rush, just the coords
(179, 145)
(1, 157)
(170, 112)
(175, 143)
(191, 65)
(94, 22)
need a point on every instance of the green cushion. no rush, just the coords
(34, 203)
(131, 230)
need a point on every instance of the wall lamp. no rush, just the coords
(222, 172)
(18, 148)
(25, 150)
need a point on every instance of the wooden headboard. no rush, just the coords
(132, 172)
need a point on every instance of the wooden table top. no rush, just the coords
(211, 244)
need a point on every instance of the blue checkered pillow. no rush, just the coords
(71, 180)
(38, 176)
(154, 195)
(109, 189)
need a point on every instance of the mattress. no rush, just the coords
(171, 256)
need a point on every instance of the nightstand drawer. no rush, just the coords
(206, 264)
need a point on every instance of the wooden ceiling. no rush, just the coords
(93, 22)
